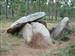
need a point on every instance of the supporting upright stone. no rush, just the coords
(58, 30)
(40, 28)
(27, 33)
(36, 35)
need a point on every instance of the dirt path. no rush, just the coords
(24, 50)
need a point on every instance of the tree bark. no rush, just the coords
(0, 9)
(12, 9)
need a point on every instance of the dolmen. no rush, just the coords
(34, 31)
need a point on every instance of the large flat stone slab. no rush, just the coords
(17, 25)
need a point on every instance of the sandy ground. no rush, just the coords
(23, 50)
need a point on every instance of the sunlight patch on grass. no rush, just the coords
(51, 25)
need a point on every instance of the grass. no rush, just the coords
(7, 40)
(66, 51)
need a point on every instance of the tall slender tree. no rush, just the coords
(0, 9)
(12, 8)
(6, 8)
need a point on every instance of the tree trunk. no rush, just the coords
(12, 8)
(0, 9)
(6, 8)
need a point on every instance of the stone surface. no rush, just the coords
(36, 35)
(58, 30)
(43, 22)
(31, 17)
(27, 33)
(17, 25)
(40, 28)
